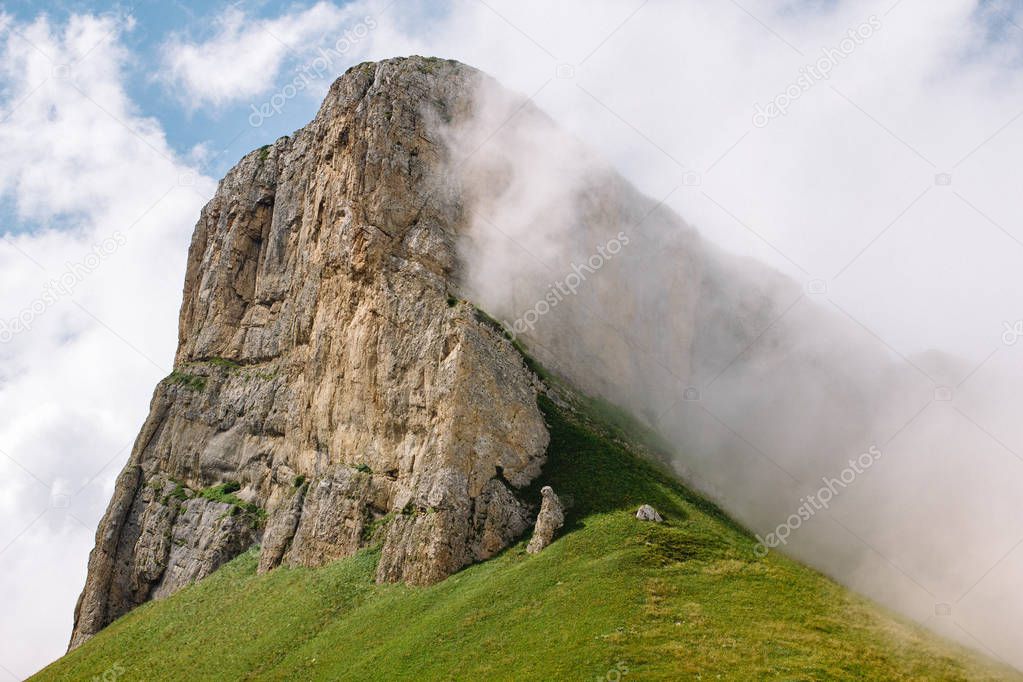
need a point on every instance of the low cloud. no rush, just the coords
(841, 279)
(244, 55)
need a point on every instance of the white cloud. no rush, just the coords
(244, 56)
(82, 165)
(672, 88)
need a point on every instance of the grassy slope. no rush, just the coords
(683, 600)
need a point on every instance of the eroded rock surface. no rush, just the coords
(550, 519)
(326, 372)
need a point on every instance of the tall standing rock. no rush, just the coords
(550, 519)
(324, 370)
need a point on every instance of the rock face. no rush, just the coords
(330, 391)
(550, 519)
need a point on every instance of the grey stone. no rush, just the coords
(648, 513)
(550, 519)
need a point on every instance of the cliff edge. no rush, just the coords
(330, 391)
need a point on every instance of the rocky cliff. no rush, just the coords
(333, 391)
(330, 390)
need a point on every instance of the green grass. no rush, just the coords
(224, 363)
(192, 382)
(430, 64)
(682, 600)
(224, 493)
(179, 493)
(484, 318)
(373, 529)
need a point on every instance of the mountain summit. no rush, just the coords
(327, 393)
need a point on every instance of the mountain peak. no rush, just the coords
(329, 390)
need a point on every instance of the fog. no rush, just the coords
(880, 467)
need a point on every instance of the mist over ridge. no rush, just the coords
(826, 442)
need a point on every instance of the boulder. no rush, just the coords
(648, 513)
(548, 521)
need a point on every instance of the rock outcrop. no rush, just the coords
(550, 519)
(330, 390)
(648, 513)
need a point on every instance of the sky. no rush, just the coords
(867, 149)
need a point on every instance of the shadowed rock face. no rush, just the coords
(324, 373)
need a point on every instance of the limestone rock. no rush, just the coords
(648, 513)
(280, 530)
(325, 369)
(548, 521)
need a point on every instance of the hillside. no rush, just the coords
(612, 598)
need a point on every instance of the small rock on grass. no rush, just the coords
(648, 513)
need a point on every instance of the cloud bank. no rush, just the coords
(245, 55)
(857, 412)
(87, 320)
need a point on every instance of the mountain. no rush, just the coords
(345, 415)
(324, 383)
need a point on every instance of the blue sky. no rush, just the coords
(224, 130)
(155, 22)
